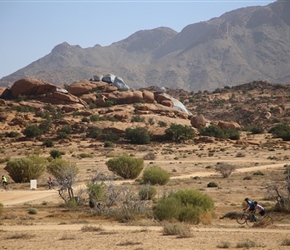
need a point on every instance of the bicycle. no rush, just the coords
(247, 218)
(5, 186)
(251, 218)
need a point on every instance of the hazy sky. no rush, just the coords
(31, 29)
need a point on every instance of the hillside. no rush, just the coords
(241, 46)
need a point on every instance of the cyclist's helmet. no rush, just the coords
(246, 199)
(255, 202)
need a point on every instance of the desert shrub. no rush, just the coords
(64, 132)
(55, 153)
(108, 144)
(179, 133)
(111, 136)
(12, 134)
(180, 229)
(224, 244)
(258, 173)
(240, 154)
(212, 130)
(139, 135)
(212, 184)
(48, 143)
(247, 178)
(151, 121)
(85, 119)
(5, 159)
(281, 131)
(25, 169)
(257, 130)
(186, 205)
(286, 242)
(162, 124)
(32, 131)
(155, 175)
(32, 210)
(96, 192)
(95, 118)
(126, 166)
(93, 132)
(149, 156)
(137, 118)
(224, 169)
(246, 244)
(45, 125)
(216, 131)
(147, 192)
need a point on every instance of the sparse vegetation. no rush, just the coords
(179, 133)
(224, 169)
(139, 135)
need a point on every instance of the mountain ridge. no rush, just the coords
(240, 46)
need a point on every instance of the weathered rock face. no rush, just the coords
(228, 125)
(30, 87)
(198, 121)
(80, 87)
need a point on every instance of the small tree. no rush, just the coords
(225, 169)
(65, 174)
(32, 131)
(179, 133)
(281, 131)
(25, 169)
(126, 166)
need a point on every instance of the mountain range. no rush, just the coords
(240, 46)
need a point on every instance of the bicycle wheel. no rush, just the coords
(251, 220)
(241, 219)
(269, 219)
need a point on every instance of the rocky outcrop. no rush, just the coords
(228, 125)
(198, 121)
(31, 87)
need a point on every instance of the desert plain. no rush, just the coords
(259, 162)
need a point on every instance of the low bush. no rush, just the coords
(156, 176)
(126, 166)
(24, 169)
(147, 192)
(180, 229)
(186, 205)
(212, 184)
(139, 135)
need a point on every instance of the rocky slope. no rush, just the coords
(244, 45)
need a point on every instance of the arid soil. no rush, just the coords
(191, 166)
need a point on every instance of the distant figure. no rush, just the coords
(49, 182)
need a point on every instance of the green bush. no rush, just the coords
(187, 205)
(48, 143)
(32, 131)
(32, 210)
(93, 132)
(108, 144)
(216, 131)
(162, 124)
(155, 175)
(55, 153)
(179, 133)
(147, 192)
(137, 118)
(126, 166)
(139, 135)
(281, 131)
(64, 132)
(25, 169)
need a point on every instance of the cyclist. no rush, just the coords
(50, 182)
(4, 182)
(250, 207)
(259, 208)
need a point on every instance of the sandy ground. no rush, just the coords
(56, 227)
